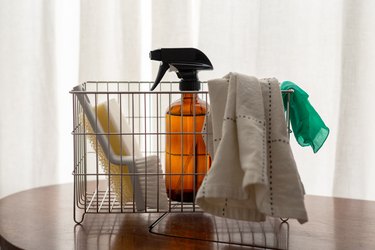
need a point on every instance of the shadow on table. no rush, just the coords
(271, 234)
(116, 232)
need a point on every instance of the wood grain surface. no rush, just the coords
(42, 218)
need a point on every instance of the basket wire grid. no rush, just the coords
(144, 112)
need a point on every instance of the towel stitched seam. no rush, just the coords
(270, 145)
(279, 140)
(244, 117)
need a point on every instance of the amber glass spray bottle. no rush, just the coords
(186, 157)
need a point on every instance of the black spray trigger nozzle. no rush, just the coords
(186, 62)
(162, 69)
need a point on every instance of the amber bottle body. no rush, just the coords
(187, 160)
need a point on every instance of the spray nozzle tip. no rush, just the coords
(155, 55)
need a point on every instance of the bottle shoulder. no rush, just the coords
(188, 106)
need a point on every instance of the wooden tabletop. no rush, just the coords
(42, 218)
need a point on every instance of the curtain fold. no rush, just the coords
(110, 37)
(326, 47)
(28, 121)
(354, 168)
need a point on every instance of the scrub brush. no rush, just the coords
(114, 170)
(118, 152)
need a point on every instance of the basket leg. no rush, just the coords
(284, 219)
(157, 222)
(80, 219)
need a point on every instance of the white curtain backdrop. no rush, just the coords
(47, 47)
(29, 122)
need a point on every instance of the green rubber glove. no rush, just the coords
(308, 128)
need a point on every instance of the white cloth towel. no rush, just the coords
(253, 173)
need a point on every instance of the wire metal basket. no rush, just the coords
(128, 176)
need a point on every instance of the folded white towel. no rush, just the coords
(253, 172)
